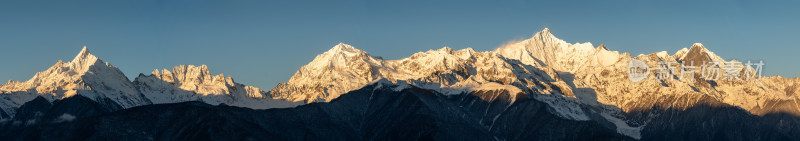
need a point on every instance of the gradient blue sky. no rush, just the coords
(263, 43)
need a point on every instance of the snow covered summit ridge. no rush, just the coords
(196, 83)
(85, 75)
(91, 77)
(566, 76)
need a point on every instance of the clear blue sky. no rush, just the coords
(263, 43)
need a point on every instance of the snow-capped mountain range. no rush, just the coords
(85, 75)
(577, 80)
(88, 76)
(195, 83)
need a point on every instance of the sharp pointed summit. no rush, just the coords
(698, 47)
(86, 75)
(342, 46)
(84, 60)
(545, 34)
(545, 49)
(346, 49)
(339, 56)
(83, 54)
(698, 53)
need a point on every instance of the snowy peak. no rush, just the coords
(190, 74)
(83, 54)
(698, 54)
(344, 68)
(195, 78)
(566, 76)
(444, 53)
(452, 71)
(66, 72)
(343, 48)
(343, 64)
(698, 46)
(195, 83)
(85, 75)
(546, 37)
(545, 32)
(82, 61)
(339, 56)
(544, 49)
